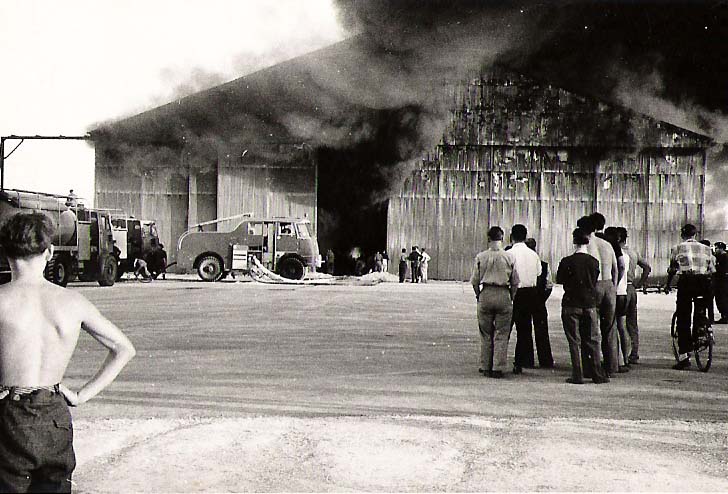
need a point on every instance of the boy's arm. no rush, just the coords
(121, 351)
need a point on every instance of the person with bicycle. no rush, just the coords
(694, 265)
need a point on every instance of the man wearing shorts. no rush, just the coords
(39, 327)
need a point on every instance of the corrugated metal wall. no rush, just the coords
(264, 188)
(158, 194)
(183, 190)
(519, 151)
(448, 205)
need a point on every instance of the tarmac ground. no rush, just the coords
(244, 386)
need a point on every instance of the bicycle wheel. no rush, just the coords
(704, 348)
(673, 334)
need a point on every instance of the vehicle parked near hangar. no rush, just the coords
(135, 239)
(83, 243)
(284, 245)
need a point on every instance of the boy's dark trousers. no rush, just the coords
(36, 442)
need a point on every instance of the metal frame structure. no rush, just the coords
(22, 139)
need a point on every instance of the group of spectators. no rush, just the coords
(599, 307)
(418, 260)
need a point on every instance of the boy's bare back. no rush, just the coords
(39, 328)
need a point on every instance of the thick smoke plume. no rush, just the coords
(370, 106)
(668, 60)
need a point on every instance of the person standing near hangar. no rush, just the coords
(526, 303)
(495, 282)
(635, 259)
(578, 273)
(606, 292)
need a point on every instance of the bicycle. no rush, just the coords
(703, 339)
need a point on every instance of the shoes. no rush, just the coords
(496, 374)
(600, 380)
(481, 370)
(634, 361)
(623, 369)
(547, 366)
(682, 365)
(571, 380)
(517, 369)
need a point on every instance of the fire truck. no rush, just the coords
(134, 239)
(282, 244)
(83, 243)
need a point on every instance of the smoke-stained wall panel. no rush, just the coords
(527, 152)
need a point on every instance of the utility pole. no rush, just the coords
(24, 138)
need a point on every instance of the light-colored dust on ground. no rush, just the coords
(399, 454)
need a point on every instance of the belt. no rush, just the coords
(18, 391)
(489, 285)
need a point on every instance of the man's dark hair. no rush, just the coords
(580, 236)
(611, 234)
(688, 231)
(518, 233)
(26, 234)
(531, 243)
(705, 242)
(495, 233)
(622, 233)
(719, 245)
(599, 221)
(586, 223)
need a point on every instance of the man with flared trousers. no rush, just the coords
(606, 293)
(578, 273)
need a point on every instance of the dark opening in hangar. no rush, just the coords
(350, 216)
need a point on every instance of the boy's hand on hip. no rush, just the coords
(70, 396)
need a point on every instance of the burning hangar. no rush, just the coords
(330, 137)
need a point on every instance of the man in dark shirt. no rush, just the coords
(544, 288)
(579, 273)
(414, 259)
(720, 282)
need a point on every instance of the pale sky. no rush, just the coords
(69, 64)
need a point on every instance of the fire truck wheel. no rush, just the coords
(60, 271)
(210, 268)
(291, 268)
(107, 271)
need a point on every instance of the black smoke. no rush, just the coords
(666, 59)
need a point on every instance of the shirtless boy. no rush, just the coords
(39, 327)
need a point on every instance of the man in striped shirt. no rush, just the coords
(694, 265)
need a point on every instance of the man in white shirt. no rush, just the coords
(424, 263)
(527, 265)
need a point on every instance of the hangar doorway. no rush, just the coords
(352, 202)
